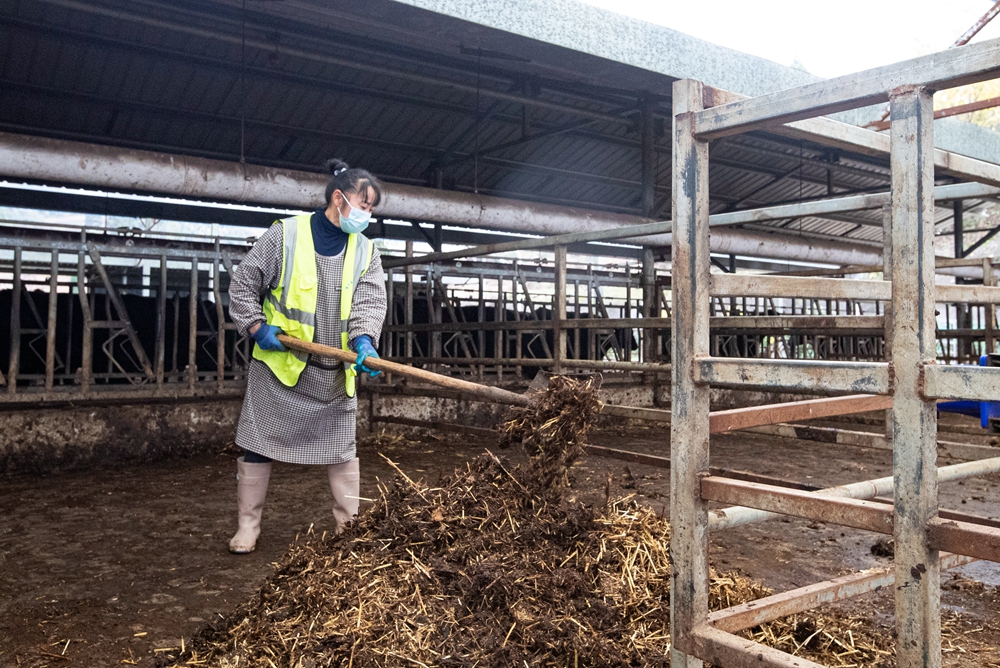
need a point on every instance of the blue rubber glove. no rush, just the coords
(363, 347)
(266, 337)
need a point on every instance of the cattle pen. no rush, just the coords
(742, 261)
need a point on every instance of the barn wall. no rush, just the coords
(43, 440)
(38, 441)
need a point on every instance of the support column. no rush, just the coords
(161, 322)
(958, 211)
(914, 419)
(648, 157)
(220, 322)
(989, 310)
(15, 325)
(559, 310)
(689, 402)
(192, 365)
(50, 325)
(86, 360)
(887, 275)
(649, 303)
(963, 315)
(408, 306)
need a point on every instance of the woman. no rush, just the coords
(314, 277)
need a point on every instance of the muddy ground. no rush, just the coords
(118, 565)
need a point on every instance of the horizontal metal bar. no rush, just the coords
(867, 439)
(980, 383)
(741, 418)
(636, 413)
(946, 69)
(785, 324)
(844, 205)
(728, 518)
(972, 540)
(661, 227)
(746, 285)
(759, 215)
(770, 608)
(115, 250)
(97, 395)
(848, 377)
(835, 134)
(842, 511)
(966, 294)
(731, 651)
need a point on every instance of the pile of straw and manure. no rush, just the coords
(493, 567)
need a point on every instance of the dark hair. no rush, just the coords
(350, 180)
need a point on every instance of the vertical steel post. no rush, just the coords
(482, 333)
(87, 353)
(989, 310)
(408, 314)
(161, 321)
(576, 314)
(689, 402)
(192, 365)
(958, 210)
(648, 156)
(518, 334)
(220, 321)
(962, 311)
(914, 418)
(15, 325)
(389, 339)
(436, 317)
(886, 275)
(498, 335)
(559, 310)
(648, 304)
(177, 330)
(68, 361)
(50, 325)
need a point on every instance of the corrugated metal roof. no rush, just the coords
(176, 77)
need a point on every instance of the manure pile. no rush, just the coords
(494, 568)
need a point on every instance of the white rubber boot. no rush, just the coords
(345, 483)
(251, 488)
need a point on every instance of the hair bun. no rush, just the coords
(335, 166)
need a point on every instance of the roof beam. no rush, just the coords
(835, 134)
(322, 56)
(945, 69)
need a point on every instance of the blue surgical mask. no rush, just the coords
(356, 221)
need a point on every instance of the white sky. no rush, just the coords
(827, 38)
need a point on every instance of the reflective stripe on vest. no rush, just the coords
(292, 305)
(356, 263)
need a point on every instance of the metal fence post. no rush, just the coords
(914, 418)
(50, 326)
(689, 403)
(648, 304)
(161, 321)
(559, 310)
(220, 321)
(192, 365)
(15, 325)
(87, 354)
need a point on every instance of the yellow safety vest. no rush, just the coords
(292, 305)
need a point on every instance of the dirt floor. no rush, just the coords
(118, 566)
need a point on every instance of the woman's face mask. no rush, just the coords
(356, 220)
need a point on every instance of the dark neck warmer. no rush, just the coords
(328, 239)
